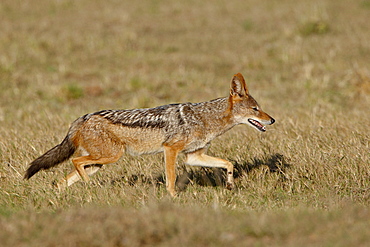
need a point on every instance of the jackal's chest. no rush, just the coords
(198, 142)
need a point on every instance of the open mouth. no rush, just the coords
(257, 125)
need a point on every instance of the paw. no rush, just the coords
(174, 195)
(61, 185)
(229, 185)
(171, 191)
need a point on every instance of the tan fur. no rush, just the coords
(103, 137)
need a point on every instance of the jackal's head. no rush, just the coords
(244, 108)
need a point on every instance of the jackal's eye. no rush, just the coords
(255, 108)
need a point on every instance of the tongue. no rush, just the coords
(258, 125)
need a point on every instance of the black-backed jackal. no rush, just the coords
(102, 137)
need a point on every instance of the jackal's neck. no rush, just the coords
(216, 112)
(217, 106)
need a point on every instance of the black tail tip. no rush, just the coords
(27, 176)
(29, 173)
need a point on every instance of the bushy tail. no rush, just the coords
(51, 158)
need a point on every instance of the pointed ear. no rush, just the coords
(238, 86)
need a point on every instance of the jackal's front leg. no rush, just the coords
(199, 158)
(170, 156)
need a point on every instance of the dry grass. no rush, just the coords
(161, 225)
(304, 182)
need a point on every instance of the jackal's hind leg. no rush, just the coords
(199, 158)
(81, 162)
(74, 176)
(85, 166)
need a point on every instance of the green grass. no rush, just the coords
(303, 182)
(314, 27)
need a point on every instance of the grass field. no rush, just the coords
(304, 182)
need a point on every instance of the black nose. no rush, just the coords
(272, 121)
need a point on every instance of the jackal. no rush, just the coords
(102, 137)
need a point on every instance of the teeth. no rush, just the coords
(257, 124)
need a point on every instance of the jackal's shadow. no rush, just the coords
(217, 177)
(211, 176)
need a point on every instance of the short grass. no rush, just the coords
(306, 181)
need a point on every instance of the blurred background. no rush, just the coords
(91, 55)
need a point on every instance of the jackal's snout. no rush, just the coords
(259, 123)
